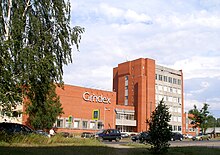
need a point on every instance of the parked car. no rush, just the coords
(87, 135)
(202, 137)
(176, 136)
(41, 132)
(124, 135)
(66, 134)
(188, 136)
(135, 138)
(12, 128)
(142, 137)
(109, 134)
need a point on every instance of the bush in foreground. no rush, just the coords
(159, 131)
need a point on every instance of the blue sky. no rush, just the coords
(180, 34)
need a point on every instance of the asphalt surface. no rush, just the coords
(205, 143)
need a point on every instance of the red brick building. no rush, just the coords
(138, 86)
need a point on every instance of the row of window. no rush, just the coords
(167, 89)
(176, 119)
(125, 116)
(126, 90)
(175, 109)
(167, 79)
(176, 128)
(78, 124)
(168, 98)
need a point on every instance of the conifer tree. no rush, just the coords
(36, 42)
(159, 129)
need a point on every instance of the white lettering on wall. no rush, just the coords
(93, 98)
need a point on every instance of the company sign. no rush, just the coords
(94, 98)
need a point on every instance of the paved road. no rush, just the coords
(211, 143)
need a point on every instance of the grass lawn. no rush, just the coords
(99, 150)
(37, 145)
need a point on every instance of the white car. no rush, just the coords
(188, 136)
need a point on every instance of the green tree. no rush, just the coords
(211, 122)
(218, 122)
(159, 129)
(36, 42)
(200, 117)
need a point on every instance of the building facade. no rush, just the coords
(138, 86)
(169, 87)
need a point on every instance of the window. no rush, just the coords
(179, 128)
(100, 125)
(160, 97)
(160, 77)
(126, 80)
(160, 87)
(60, 123)
(175, 99)
(179, 110)
(85, 124)
(179, 91)
(179, 119)
(126, 91)
(175, 128)
(92, 125)
(165, 98)
(130, 116)
(170, 80)
(171, 89)
(179, 100)
(165, 88)
(174, 81)
(117, 116)
(76, 124)
(179, 82)
(165, 78)
(67, 123)
(174, 90)
(156, 76)
(126, 100)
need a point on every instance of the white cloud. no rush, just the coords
(110, 12)
(199, 67)
(177, 34)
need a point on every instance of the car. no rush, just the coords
(188, 136)
(13, 128)
(41, 132)
(87, 135)
(108, 134)
(176, 136)
(124, 135)
(135, 138)
(202, 137)
(66, 134)
(142, 137)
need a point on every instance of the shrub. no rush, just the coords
(159, 130)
